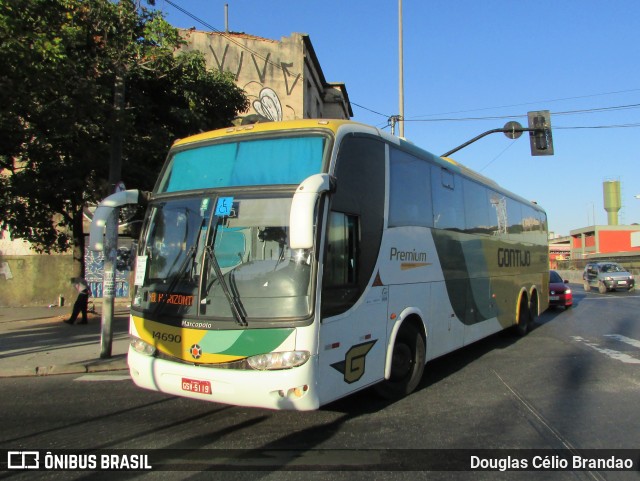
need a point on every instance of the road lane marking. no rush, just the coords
(540, 419)
(534, 416)
(601, 297)
(613, 354)
(625, 339)
(103, 377)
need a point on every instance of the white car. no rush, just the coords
(607, 276)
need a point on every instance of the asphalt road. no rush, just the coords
(573, 383)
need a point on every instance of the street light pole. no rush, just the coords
(401, 71)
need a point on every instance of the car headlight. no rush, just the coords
(568, 291)
(608, 278)
(278, 360)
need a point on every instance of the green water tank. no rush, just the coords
(612, 200)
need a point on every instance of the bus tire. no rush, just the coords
(407, 364)
(524, 319)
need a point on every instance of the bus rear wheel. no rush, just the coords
(524, 319)
(407, 364)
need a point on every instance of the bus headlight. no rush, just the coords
(142, 347)
(278, 360)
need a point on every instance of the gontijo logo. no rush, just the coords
(513, 258)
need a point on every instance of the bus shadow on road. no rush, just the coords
(442, 368)
(437, 370)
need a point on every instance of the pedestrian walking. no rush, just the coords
(82, 301)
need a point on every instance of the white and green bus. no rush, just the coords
(286, 265)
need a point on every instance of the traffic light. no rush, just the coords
(540, 138)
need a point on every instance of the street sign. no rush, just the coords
(512, 130)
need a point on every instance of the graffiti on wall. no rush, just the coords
(94, 271)
(267, 105)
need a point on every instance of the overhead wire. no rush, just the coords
(244, 47)
(538, 102)
(228, 37)
(497, 117)
(459, 119)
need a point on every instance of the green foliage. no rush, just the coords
(60, 59)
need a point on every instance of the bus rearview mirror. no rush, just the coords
(301, 219)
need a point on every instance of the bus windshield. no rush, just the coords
(189, 244)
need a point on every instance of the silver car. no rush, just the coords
(607, 276)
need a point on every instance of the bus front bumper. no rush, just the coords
(287, 389)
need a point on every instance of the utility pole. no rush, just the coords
(111, 231)
(401, 71)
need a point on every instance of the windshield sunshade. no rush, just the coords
(258, 162)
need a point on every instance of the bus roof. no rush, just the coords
(329, 124)
(334, 125)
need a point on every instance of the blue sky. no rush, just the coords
(471, 66)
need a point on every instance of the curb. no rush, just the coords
(116, 363)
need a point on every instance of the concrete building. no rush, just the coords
(604, 240)
(607, 240)
(30, 278)
(282, 79)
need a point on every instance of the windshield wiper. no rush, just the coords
(190, 256)
(236, 307)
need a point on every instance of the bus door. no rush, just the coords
(353, 330)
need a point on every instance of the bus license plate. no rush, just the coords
(194, 385)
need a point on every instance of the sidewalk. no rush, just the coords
(35, 342)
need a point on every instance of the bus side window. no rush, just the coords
(480, 215)
(515, 220)
(340, 288)
(409, 190)
(448, 206)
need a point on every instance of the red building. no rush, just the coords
(605, 239)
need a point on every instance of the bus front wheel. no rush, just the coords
(407, 364)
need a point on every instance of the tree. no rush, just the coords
(61, 60)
